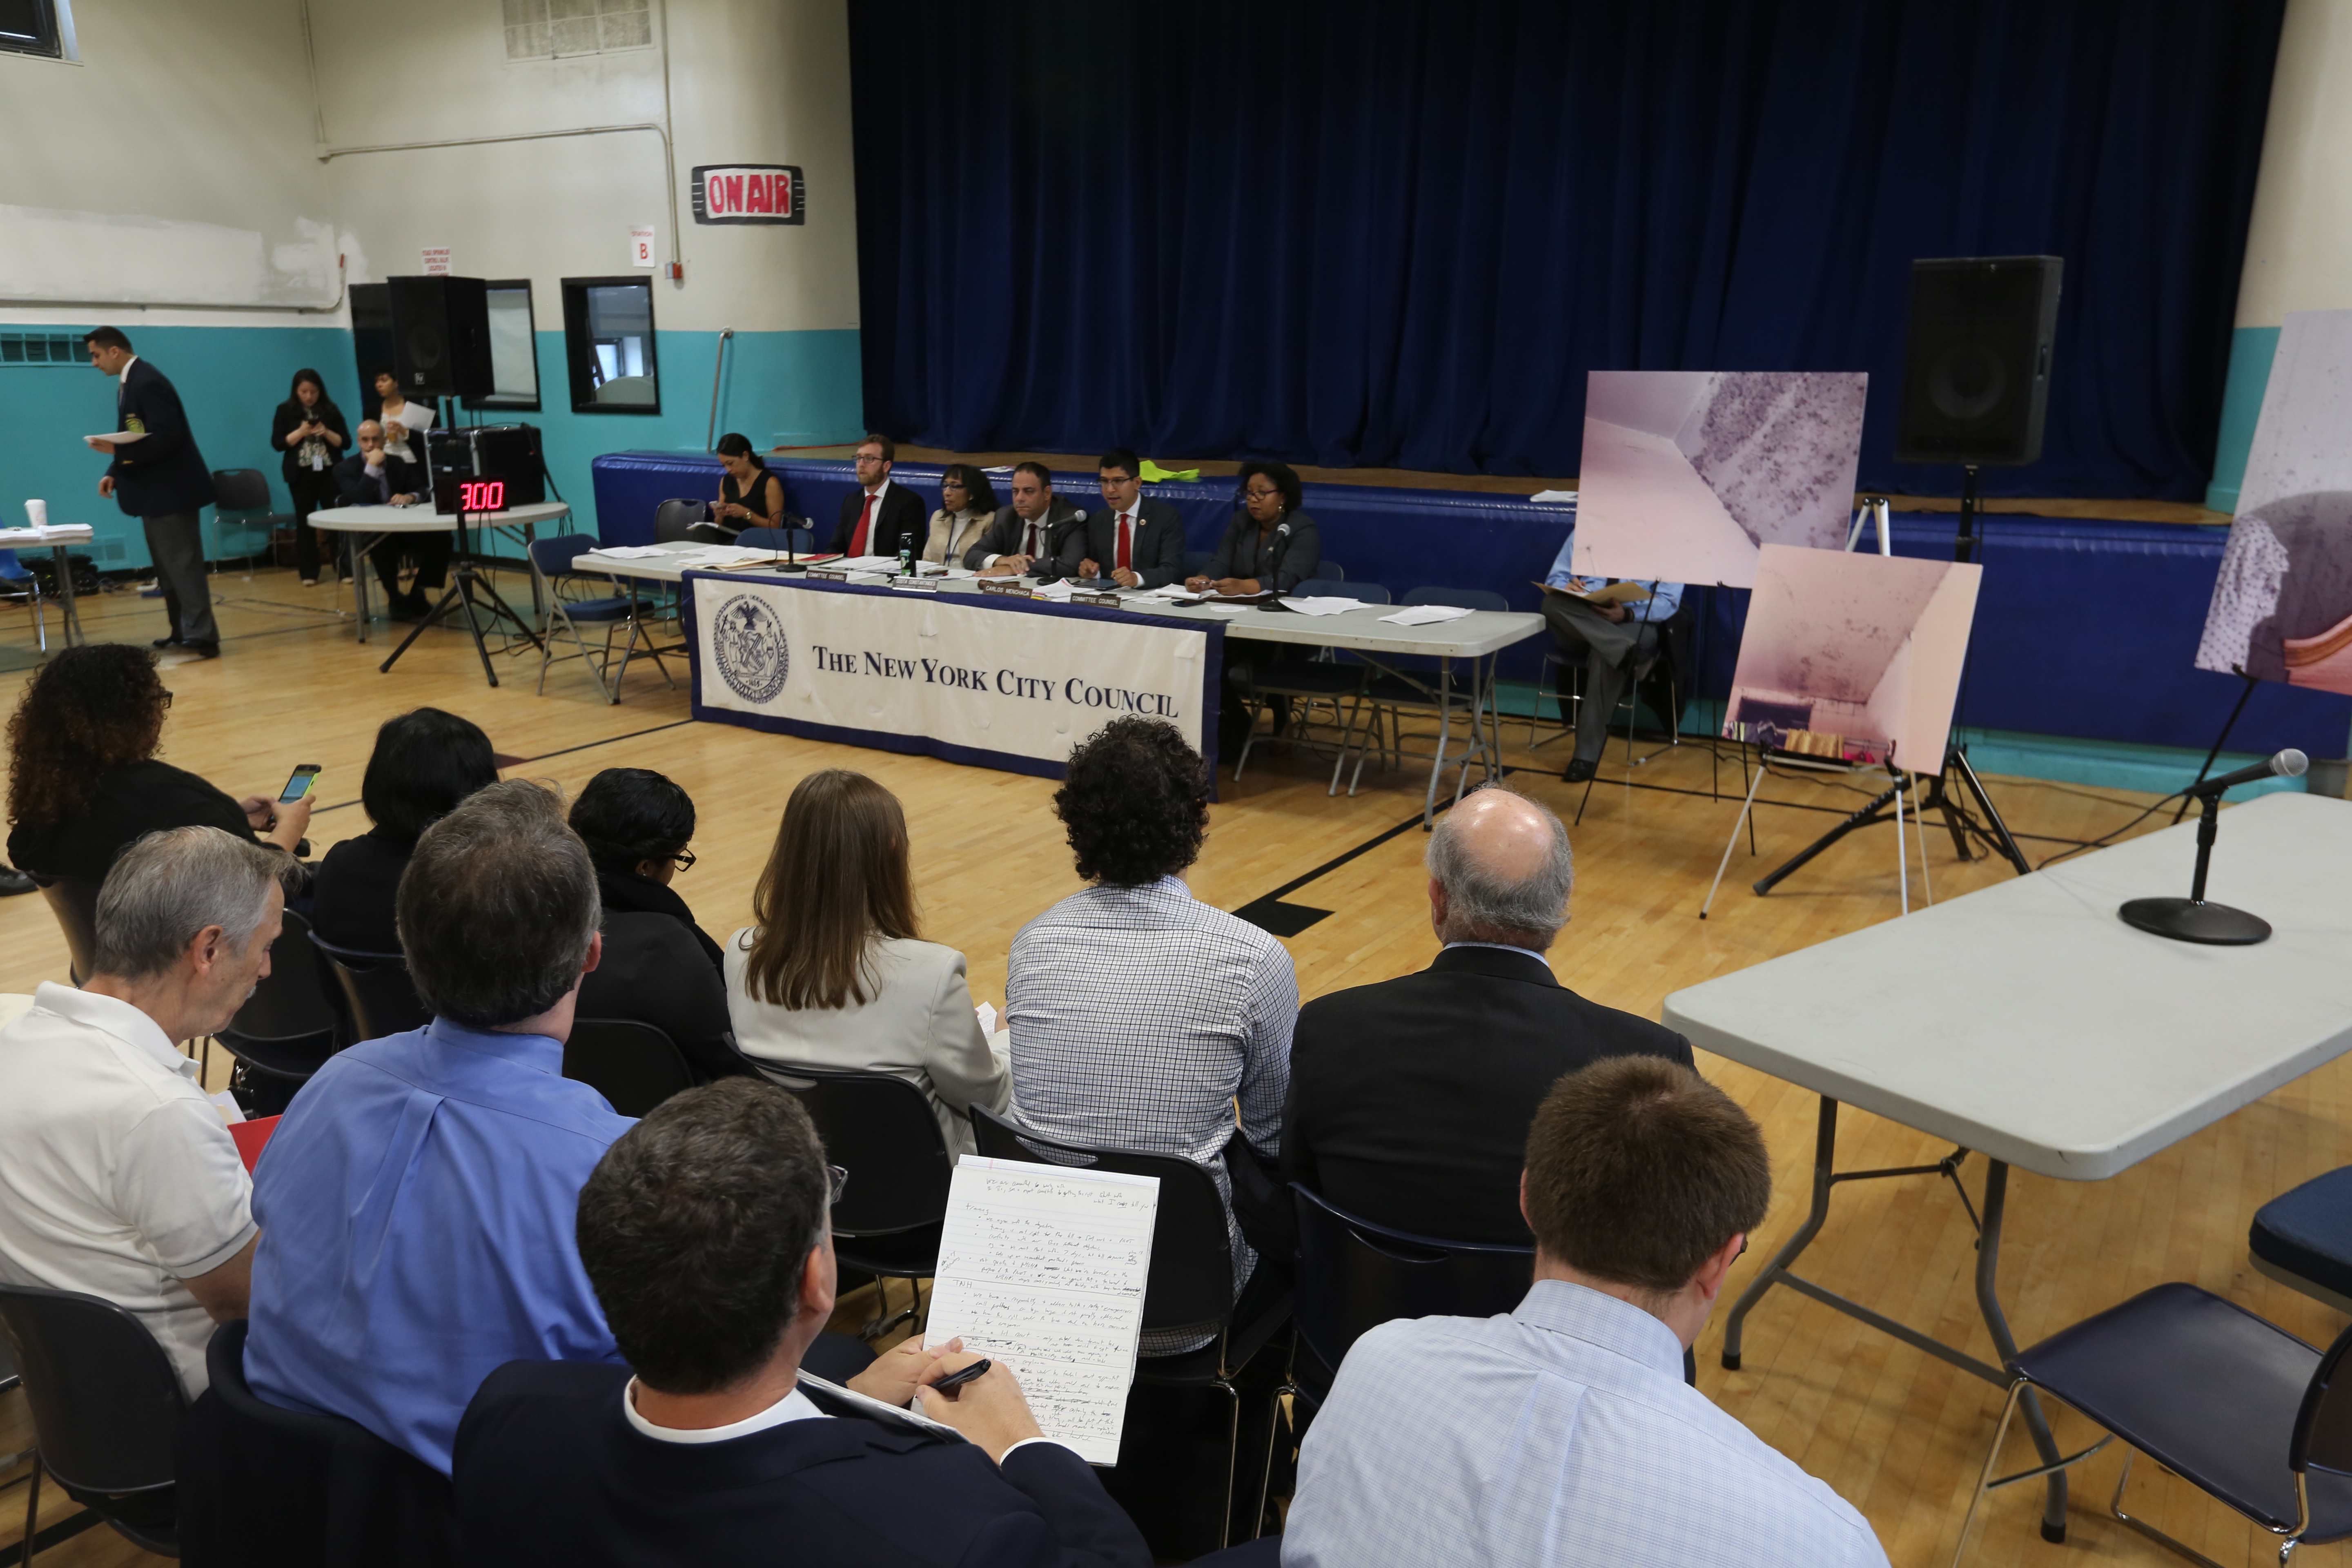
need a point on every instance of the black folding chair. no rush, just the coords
(673, 519)
(262, 1486)
(879, 1129)
(74, 902)
(105, 1408)
(289, 1027)
(634, 1066)
(2234, 1405)
(1190, 1287)
(377, 989)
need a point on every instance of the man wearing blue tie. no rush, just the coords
(162, 480)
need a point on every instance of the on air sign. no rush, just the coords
(749, 193)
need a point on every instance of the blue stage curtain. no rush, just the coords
(1398, 232)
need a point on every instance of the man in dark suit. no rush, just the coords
(1037, 533)
(703, 1231)
(879, 518)
(162, 480)
(1410, 1100)
(375, 476)
(1138, 543)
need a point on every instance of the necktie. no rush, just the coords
(1031, 549)
(1123, 563)
(864, 521)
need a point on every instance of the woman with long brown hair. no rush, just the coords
(835, 976)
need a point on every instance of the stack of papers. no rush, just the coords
(51, 534)
(1170, 591)
(629, 552)
(1427, 615)
(867, 563)
(1057, 590)
(1321, 606)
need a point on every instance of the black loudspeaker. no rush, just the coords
(1976, 370)
(441, 337)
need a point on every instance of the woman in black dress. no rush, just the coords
(311, 436)
(749, 496)
(425, 762)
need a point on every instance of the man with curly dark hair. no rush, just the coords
(1141, 1015)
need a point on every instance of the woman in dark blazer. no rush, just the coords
(311, 436)
(1255, 555)
(659, 967)
(424, 763)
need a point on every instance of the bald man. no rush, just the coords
(1410, 1100)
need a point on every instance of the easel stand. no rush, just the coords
(1960, 814)
(2220, 740)
(470, 590)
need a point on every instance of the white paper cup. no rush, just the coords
(37, 514)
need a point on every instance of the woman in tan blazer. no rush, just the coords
(967, 500)
(834, 975)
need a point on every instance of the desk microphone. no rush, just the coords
(2287, 764)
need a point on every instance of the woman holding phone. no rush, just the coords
(749, 496)
(311, 436)
(83, 778)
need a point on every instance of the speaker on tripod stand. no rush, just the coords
(441, 337)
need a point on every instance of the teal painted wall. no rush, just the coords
(780, 389)
(2251, 351)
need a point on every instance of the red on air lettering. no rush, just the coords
(783, 196)
(758, 194)
(733, 185)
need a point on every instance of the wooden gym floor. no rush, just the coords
(1899, 1434)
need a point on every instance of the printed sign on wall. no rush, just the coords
(434, 260)
(641, 245)
(749, 193)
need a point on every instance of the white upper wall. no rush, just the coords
(179, 162)
(2299, 244)
(174, 162)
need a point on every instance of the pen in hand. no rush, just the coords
(953, 1381)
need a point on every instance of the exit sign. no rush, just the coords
(749, 193)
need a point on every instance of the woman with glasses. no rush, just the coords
(659, 967)
(967, 502)
(834, 974)
(84, 780)
(425, 762)
(1255, 555)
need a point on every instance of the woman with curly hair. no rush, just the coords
(1140, 1015)
(83, 779)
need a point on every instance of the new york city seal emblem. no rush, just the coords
(753, 655)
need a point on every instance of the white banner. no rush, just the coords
(942, 673)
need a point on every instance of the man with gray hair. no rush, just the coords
(1410, 1100)
(118, 1177)
(417, 1200)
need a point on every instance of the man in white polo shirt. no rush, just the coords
(118, 1177)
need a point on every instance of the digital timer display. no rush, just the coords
(482, 495)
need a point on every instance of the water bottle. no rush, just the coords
(906, 560)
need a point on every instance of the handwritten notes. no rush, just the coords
(1042, 1267)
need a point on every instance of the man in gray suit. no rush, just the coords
(1039, 532)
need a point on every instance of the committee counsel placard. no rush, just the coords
(999, 682)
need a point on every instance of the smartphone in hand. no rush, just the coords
(300, 783)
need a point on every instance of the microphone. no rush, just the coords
(2287, 764)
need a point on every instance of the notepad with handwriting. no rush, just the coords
(1043, 1266)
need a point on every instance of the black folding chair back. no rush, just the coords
(74, 902)
(288, 1028)
(1354, 1274)
(673, 517)
(377, 989)
(106, 1406)
(634, 1066)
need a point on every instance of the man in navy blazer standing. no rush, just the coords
(162, 480)
(1138, 543)
(704, 1231)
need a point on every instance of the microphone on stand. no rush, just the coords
(2193, 918)
(1273, 583)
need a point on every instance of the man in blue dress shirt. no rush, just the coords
(416, 1204)
(1564, 1434)
(1610, 638)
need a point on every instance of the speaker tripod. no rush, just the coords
(470, 591)
(1960, 812)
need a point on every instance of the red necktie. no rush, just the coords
(1032, 550)
(865, 521)
(1123, 563)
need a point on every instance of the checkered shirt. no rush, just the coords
(1562, 1434)
(1141, 1018)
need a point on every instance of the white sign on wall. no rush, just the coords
(950, 673)
(641, 245)
(436, 259)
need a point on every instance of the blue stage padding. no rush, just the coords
(2084, 628)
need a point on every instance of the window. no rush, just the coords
(514, 348)
(43, 348)
(608, 345)
(37, 27)
(553, 29)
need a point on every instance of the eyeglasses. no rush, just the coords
(862, 459)
(840, 1178)
(683, 859)
(167, 699)
(1261, 495)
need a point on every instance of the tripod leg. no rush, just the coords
(474, 625)
(418, 630)
(1997, 828)
(1868, 817)
(1729, 844)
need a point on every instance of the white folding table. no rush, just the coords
(56, 537)
(370, 526)
(2026, 1021)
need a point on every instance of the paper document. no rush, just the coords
(1426, 615)
(1315, 605)
(632, 552)
(1057, 590)
(1553, 497)
(50, 534)
(1614, 594)
(986, 1012)
(119, 437)
(1045, 1268)
(870, 563)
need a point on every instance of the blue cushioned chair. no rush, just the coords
(2234, 1405)
(16, 582)
(551, 569)
(2303, 1238)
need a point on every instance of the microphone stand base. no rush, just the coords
(2193, 919)
(787, 566)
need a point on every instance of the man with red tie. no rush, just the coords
(879, 518)
(1138, 543)
(1038, 533)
